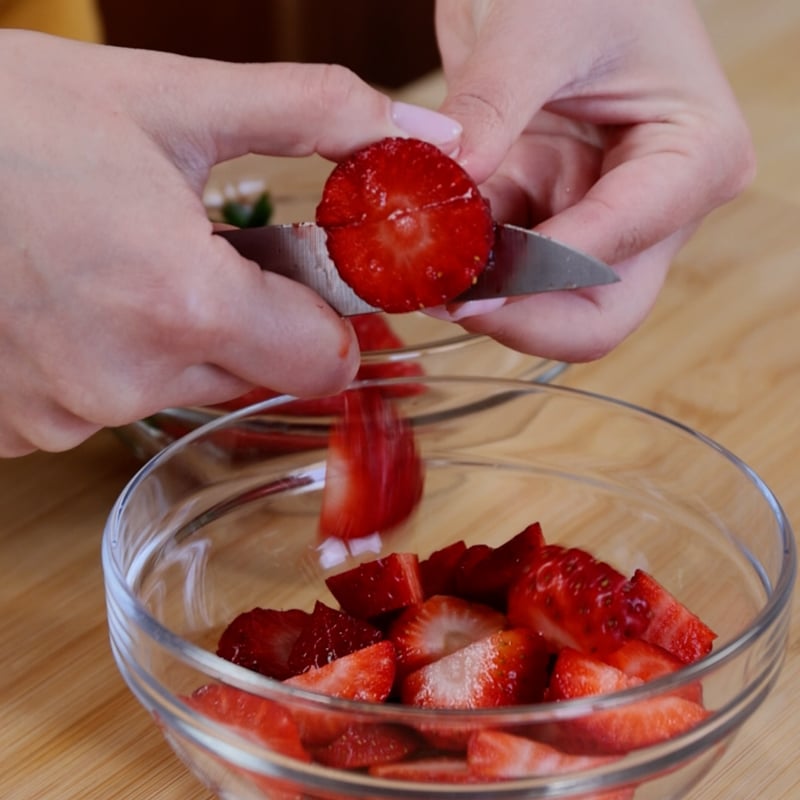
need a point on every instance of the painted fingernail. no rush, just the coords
(456, 311)
(423, 123)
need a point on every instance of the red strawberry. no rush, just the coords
(374, 334)
(626, 728)
(365, 745)
(440, 626)
(427, 770)
(262, 639)
(256, 717)
(407, 227)
(378, 587)
(373, 478)
(438, 569)
(330, 634)
(489, 578)
(640, 659)
(494, 754)
(576, 601)
(671, 625)
(507, 668)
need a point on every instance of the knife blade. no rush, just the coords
(522, 262)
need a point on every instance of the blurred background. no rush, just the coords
(386, 42)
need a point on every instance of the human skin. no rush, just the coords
(607, 125)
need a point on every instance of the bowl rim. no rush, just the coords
(777, 603)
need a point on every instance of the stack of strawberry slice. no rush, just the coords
(471, 627)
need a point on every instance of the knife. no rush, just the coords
(522, 262)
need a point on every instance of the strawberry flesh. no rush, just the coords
(367, 745)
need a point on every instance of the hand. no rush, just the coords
(115, 298)
(609, 126)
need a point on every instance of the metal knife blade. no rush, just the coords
(523, 262)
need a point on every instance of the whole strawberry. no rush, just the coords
(407, 227)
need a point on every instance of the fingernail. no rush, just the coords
(456, 311)
(423, 123)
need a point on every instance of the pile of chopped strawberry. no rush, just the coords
(406, 226)
(476, 627)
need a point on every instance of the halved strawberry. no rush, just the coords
(577, 601)
(438, 569)
(427, 770)
(262, 639)
(622, 729)
(670, 624)
(438, 627)
(378, 587)
(329, 634)
(495, 754)
(407, 227)
(365, 745)
(506, 668)
(373, 478)
(256, 717)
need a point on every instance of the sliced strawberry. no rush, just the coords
(407, 226)
(378, 587)
(262, 639)
(373, 478)
(437, 571)
(577, 601)
(427, 770)
(623, 729)
(329, 634)
(365, 745)
(640, 659)
(671, 625)
(440, 626)
(256, 717)
(506, 668)
(495, 754)
(488, 579)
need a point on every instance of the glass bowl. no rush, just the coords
(426, 346)
(206, 531)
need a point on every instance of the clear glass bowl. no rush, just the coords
(205, 531)
(431, 347)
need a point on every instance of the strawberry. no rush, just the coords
(618, 730)
(506, 668)
(373, 478)
(646, 661)
(407, 227)
(495, 754)
(262, 640)
(329, 634)
(365, 745)
(440, 626)
(256, 717)
(378, 587)
(438, 569)
(575, 600)
(670, 624)
(427, 770)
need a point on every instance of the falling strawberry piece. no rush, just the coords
(262, 640)
(378, 587)
(407, 227)
(671, 625)
(373, 477)
(367, 745)
(576, 601)
(619, 730)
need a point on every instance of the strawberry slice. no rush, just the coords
(256, 717)
(619, 730)
(506, 668)
(373, 478)
(365, 745)
(329, 634)
(671, 625)
(427, 770)
(375, 588)
(576, 601)
(495, 754)
(407, 227)
(440, 626)
(437, 571)
(262, 640)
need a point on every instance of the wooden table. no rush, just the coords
(721, 352)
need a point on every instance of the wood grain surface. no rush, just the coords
(720, 352)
